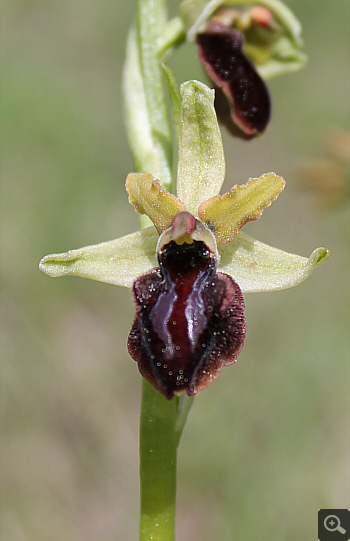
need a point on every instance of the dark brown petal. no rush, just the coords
(249, 107)
(189, 321)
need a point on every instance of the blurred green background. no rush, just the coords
(266, 445)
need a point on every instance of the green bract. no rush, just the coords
(253, 265)
(273, 52)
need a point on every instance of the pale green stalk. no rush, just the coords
(161, 426)
(149, 134)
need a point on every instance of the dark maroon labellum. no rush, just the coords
(249, 106)
(189, 320)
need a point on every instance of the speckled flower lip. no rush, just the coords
(189, 318)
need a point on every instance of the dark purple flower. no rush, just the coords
(189, 318)
(242, 98)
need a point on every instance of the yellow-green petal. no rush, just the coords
(201, 161)
(149, 197)
(257, 267)
(226, 214)
(118, 262)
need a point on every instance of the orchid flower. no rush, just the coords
(188, 271)
(241, 43)
(272, 33)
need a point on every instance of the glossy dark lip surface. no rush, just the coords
(220, 51)
(189, 320)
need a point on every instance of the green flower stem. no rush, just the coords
(148, 128)
(161, 426)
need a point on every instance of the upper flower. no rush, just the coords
(242, 100)
(240, 43)
(272, 33)
(199, 236)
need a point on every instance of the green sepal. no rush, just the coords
(118, 262)
(284, 57)
(201, 161)
(257, 267)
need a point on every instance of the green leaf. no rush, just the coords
(146, 119)
(151, 19)
(174, 97)
(137, 121)
(226, 214)
(201, 161)
(118, 262)
(257, 267)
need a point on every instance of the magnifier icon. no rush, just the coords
(332, 524)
